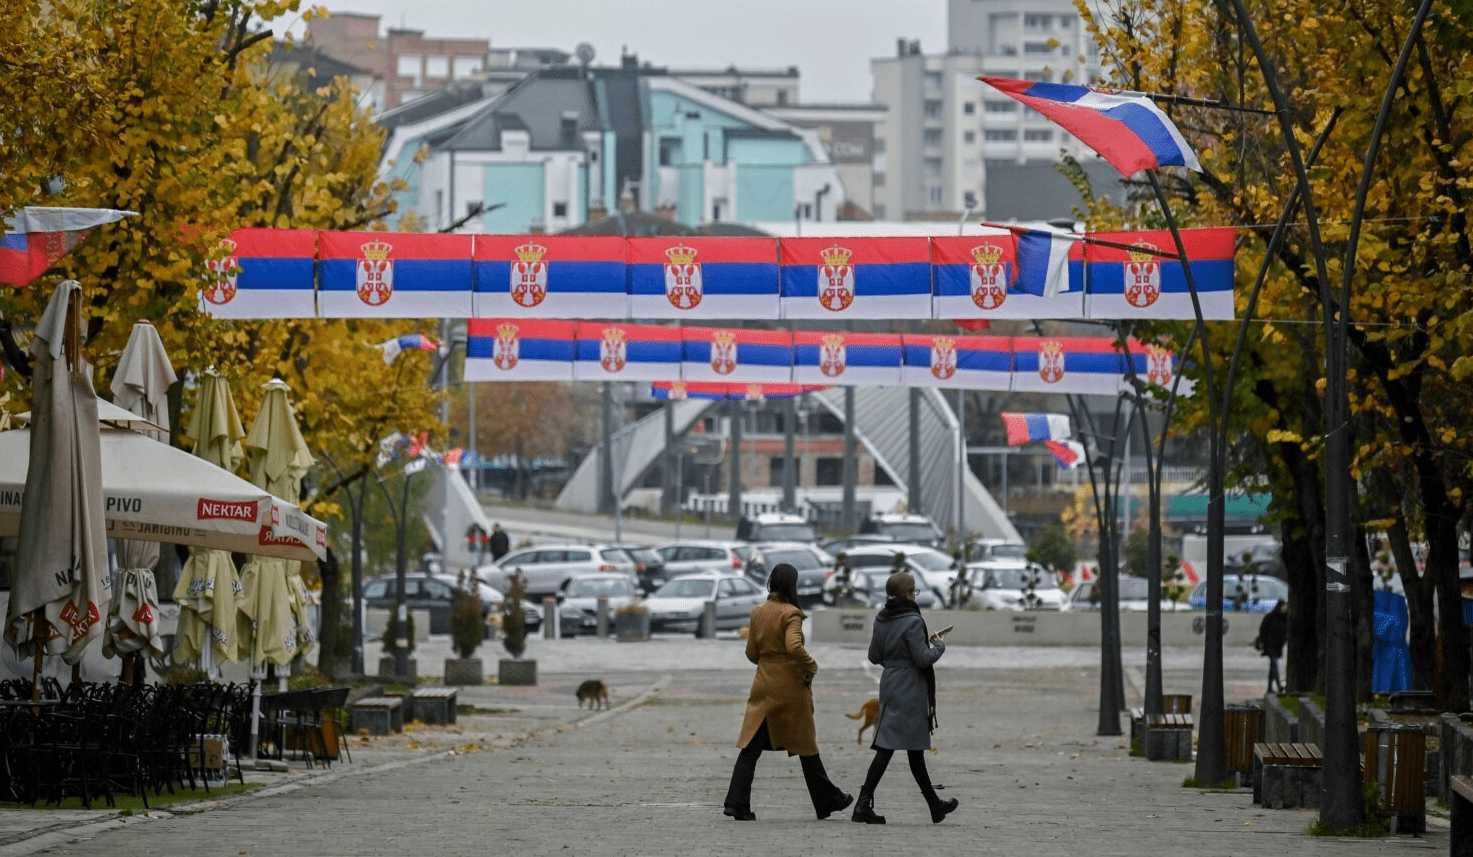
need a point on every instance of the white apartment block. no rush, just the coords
(944, 129)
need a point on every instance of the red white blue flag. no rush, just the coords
(856, 278)
(843, 357)
(261, 273)
(1155, 365)
(394, 275)
(612, 351)
(733, 355)
(409, 342)
(978, 278)
(1069, 453)
(1087, 365)
(958, 362)
(1130, 132)
(703, 278)
(519, 349)
(36, 237)
(1147, 280)
(551, 276)
(1023, 428)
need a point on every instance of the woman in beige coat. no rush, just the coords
(780, 706)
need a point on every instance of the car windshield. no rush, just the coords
(593, 587)
(930, 561)
(916, 532)
(788, 532)
(686, 587)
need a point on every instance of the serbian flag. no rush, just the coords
(1139, 274)
(958, 362)
(978, 278)
(550, 276)
(1155, 366)
(1023, 428)
(394, 275)
(679, 277)
(856, 278)
(1088, 365)
(843, 357)
(731, 355)
(615, 351)
(452, 456)
(513, 349)
(1130, 132)
(409, 342)
(36, 237)
(1069, 453)
(261, 273)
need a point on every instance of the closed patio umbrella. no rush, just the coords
(141, 386)
(60, 585)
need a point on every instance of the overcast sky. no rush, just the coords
(830, 41)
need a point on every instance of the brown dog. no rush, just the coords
(870, 713)
(594, 692)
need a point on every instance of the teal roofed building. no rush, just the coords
(567, 144)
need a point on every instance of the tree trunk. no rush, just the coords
(331, 659)
(1362, 613)
(1302, 544)
(1442, 570)
(1422, 641)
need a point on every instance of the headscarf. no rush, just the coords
(783, 581)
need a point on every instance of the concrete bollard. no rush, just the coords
(549, 618)
(708, 620)
(602, 617)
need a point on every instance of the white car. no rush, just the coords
(1009, 587)
(680, 605)
(1133, 597)
(933, 569)
(578, 602)
(547, 567)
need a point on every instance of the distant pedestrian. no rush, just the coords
(780, 706)
(907, 695)
(500, 543)
(1273, 632)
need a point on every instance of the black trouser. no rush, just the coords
(881, 761)
(1274, 682)
(821, 790)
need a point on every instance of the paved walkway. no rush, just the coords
(531, 773)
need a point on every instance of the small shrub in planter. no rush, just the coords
(467, 629)
(632, 621)
(388, 665)
(515, 670)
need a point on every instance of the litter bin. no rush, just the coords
(1396, 761)
(1244, 727)
(1176, 703)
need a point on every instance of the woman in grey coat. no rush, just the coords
(907, 695)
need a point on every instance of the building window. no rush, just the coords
(437, 66)
(1040, 135)
(1034, 49)
(932, 81)
(1000, 106)
(932, 167)
(968, 108)
(932, 110)
(1035, 75)
(999, 135)
(408, 66)
(466, 66)
(669, 150)
(934, 195)
(775, 468)
(782, 98)
(931, 137)
(969, 137)
(879, 211)
(559, 209)
(830, 471)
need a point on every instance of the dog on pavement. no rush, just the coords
(870, 714)
(594, 692)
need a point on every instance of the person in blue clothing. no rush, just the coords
(907, 696)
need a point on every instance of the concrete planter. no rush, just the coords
(517, 671)
(462, 671)
(632, 627)
(388, 669)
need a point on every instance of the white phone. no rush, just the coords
(941, 634)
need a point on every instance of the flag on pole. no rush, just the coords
(1043, 262)
(1022, 428)
(1068, 452)
(409, 342)
(36, 237)
(1130, 132)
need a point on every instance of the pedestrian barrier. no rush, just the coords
(1286, 776)
(378, 715)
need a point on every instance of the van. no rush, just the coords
(907, 529)
(776, 527)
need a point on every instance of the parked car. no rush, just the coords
(680, 605)
(1244, 593)
(547, 567)
(1006, 588)
(847, 543)
(933, 570)
(776, 527)
(578, 602)
(812, 563)
(649, 566)
(682, 558)
(434, 593)
(997, 550)
(869, 589)
(1134, 596)
(913, 529)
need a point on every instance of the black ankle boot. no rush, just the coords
(739, 813)
(840, 803)
(864, 810)
(939, 808)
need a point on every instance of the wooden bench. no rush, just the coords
(378, 715)
(1460, 841)
(1168, 737)
(434, 704)
(1287, 775)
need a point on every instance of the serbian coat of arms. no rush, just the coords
(836, 279)
(506, 350)
(375, 273)
(529, 275)
(1051, 360)
(224, 271)
(832, 355)
(1142, 277)
(723, 352)
(943, 357)
(612, 354)
(1158, 365)
(989, 277)
(683, 285)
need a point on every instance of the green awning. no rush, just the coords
(1239, 506)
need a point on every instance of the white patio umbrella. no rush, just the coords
(60, 586)
(141, 386)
